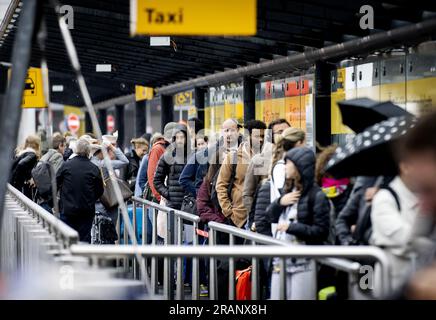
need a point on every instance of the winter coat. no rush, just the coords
(234, 208)
(170, 166)
(21, 171)
(130, 172)
(353, 211)
(196, 169)
(81, 185)
(53, 157)
(257, 170)
(312, 225)
(205, 208)
(262, 220)
(156, 153)
(392, 228)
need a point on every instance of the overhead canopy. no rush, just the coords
(101, 35)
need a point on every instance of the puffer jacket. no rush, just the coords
(170, 165)
(312, 226)
(262, 220)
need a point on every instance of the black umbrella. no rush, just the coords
(370, 152)
(359, 114)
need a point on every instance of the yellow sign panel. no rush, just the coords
(143, 93)
(33, 94)
(193, 17)
(183, 99)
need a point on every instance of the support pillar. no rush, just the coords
(167, 110)
(249, 85)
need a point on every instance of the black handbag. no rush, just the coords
(189, 205)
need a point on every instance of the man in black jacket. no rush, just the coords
(81, 185)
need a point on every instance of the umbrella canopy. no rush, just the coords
(359, 114)
(370, 152)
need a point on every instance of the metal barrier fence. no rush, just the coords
(333, 256)
(29, 234)
(97, 253)
(352, 268)
(36, 262)
(175, 224)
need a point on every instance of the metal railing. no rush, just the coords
(64, 234)
(312, 252)
(348, 266)
(30, 237)
(174, 236)
(175, 221)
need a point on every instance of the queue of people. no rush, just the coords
(264, 179)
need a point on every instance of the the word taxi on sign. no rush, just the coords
(193, 17)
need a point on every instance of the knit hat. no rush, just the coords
(293, 134)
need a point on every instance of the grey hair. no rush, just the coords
(83, 148)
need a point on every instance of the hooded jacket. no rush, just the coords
(170, 167)
(312, 224)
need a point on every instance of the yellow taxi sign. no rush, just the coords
(193, 17)
(143, 93)
(33, 94)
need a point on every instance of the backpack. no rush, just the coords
(363, 232)
(42, 175)
(243, 284)
(213, 193)
(103, 230)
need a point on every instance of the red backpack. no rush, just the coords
(243, 284)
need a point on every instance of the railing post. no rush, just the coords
(212, 268)
(254, 277)
(168, 263)
(231, 270)
(180, 286)
(195, 267)
(154, 266)
(134, 260)
(282, 275)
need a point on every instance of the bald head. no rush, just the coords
(230, 131)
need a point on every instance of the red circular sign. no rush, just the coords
(73, 123)
(110, 123)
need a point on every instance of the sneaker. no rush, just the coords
(204, 291)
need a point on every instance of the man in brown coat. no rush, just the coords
(230, 183)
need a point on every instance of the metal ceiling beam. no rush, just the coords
(361, 45)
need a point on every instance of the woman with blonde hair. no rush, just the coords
(289, 139)
(25, 160)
